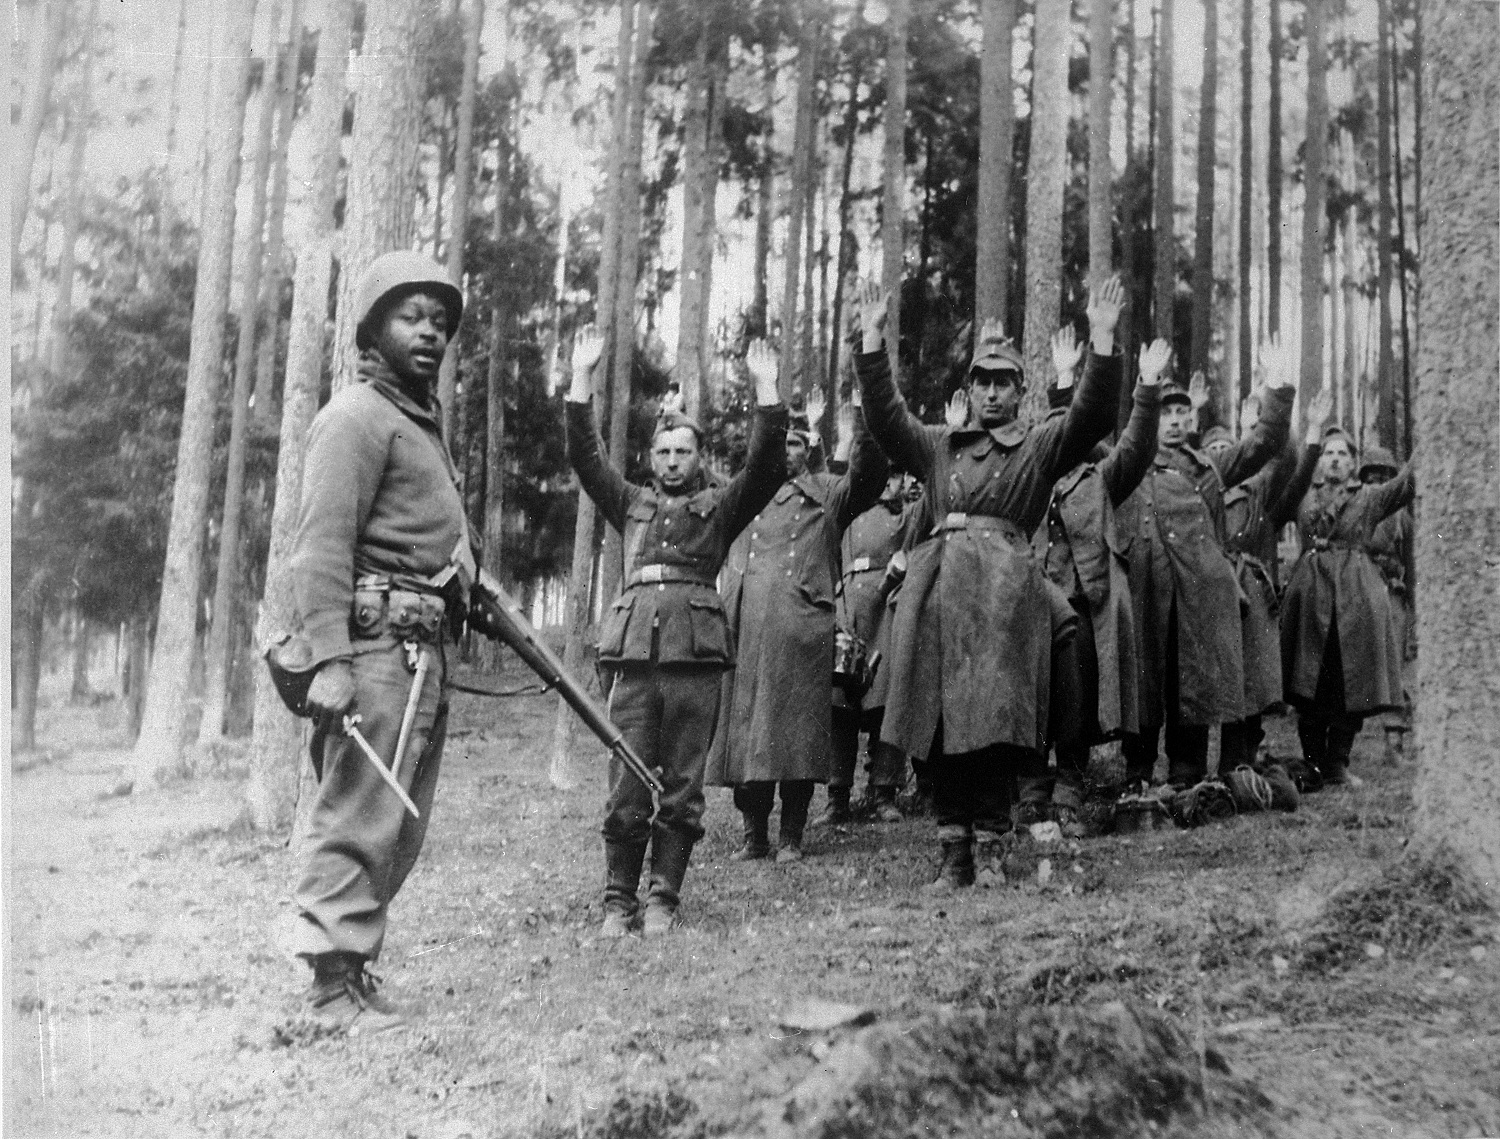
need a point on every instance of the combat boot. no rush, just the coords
(837, 812)
(670, 851)
(757, 838)
(342, 997)
(957, 869)
(989, 851)
(793, 823)
(622, 868)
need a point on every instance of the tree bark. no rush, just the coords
(30, 628)
(1314, 211)
(801, 172)
(135, 703)
(997, 120)
(1384, 387)
(463, 179)
(1046, 177)
(621, 377)
(1247, 185)
(41, 64)
(758, 324)
(494, 396)
(227, 577)
(1273, 174)
(389, 82)
(1457, 791)
(83, 109)
(580, 608)
(846, 257)
(275, 740)
(718, 87)
(893, 172)
(695, 182)
(1203, 213)
(174, 98)
(158, 751)
(1101, 172)
(1399, 268)
(808, 374)
(1164, 269)
(80, 690)
(275, 272)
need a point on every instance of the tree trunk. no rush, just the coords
(1399, 269)
(1457, 791)
(389, 84)
(808, 374)
(1315, 186)
(227, 577)
(1203, 213)
(83, 109)
(1350, 289)
(1416, 180)
(1273, 175)
(997, 121)
(80, 691)
(135, 703)
(846, 256)
(1046, 177)
(463, 179)
(1247, 187)
(30, 628)
(580, 608)
(158, 751)
(174, 98)
(275, 273)
(1101, 173)
(718, 88)
(494, 399)
(801, 172)
(1384, 388)
(758, 324)
(275, 742)
(621, 376)
(893, 172)
(1164, 269)
(41, 64)
(1130, 232)
(695, 181)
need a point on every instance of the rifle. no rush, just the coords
(502, 620)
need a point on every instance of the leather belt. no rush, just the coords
(1326, 544)
(385, 582)
(658, 574)
(958, 520)
(862, 565)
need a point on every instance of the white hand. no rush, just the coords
(1154, 360)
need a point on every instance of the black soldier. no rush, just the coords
(665, 640)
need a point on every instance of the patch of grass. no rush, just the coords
(1417, 903)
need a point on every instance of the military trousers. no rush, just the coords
(361, 842)
(886, 766)
(971, 791)
(667, 713)
(1073, 717)
(1187, 744)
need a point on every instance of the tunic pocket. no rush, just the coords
(616, 622)
(710, 631)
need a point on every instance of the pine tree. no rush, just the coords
(1385, 390)
(1314, 210)
(997, 115)
(1203, 235)
(46, 33)
(1164, 197)
(1247, 185)
(1101, 85)
(1273, 174)
(893, 174)
(158, 751)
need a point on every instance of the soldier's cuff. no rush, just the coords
(328, 634)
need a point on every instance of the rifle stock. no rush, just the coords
(511, 627)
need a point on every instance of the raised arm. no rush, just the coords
(1389, 497)
(1262, 445)
(1289, 484)
(868, 470)
(765, 464)
(900, 434)
(1091, 415)
(1128, 461)
(601, 482)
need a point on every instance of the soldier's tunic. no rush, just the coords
(1337, 595)
(666, 637)
(778, 588)
(380, 506)
(1186, 596)
(972, 635)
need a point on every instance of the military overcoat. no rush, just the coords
(1336, 583)
(971, 639)
(1253, 513)
(1082, 554)
(1173, 531)
(778, 583)
(864, 607)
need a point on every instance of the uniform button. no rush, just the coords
(752, 553)
(664, 542)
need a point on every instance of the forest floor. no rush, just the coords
(146, 979)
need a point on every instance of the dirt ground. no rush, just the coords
(146, 978)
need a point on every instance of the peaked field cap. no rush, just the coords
(1173, 392)
(1378, 456)
(996, 352)
(1334, 431)
(672, 420)
(397, 274)
(1216, 435)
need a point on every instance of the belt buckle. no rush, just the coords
(861, 564)
(651, 572)
(956, 520)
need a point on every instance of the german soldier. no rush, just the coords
(665, 640)
(381, 557)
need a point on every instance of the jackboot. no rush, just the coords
(837, 811)
(757, 838)
(957, 869)
(796, 797)
(1313, 735)
(670, 851)
(1341, 734)
(989, 851)
(622, 870)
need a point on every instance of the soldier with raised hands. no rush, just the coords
(972, 639)
(665, 641)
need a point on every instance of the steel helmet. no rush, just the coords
(392, 276)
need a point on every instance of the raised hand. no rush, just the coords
(1282, 363)
(956, 410)
(1154, 360)
(1106, 303)
(1319, 408)
(762, 363)
(817, 407)
(1198, 391)
(588, 347)
(1066, 352)
(673, 400)
(873, 303)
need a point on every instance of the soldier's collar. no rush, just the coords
(1008, 436)
(372, 369)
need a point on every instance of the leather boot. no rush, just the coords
(957, 869)
(1313, 735)
(757, 838)
(1341, 734)
(989, 852)
(622, 870)
(670, 851)
(796, 797)
(837, 811)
